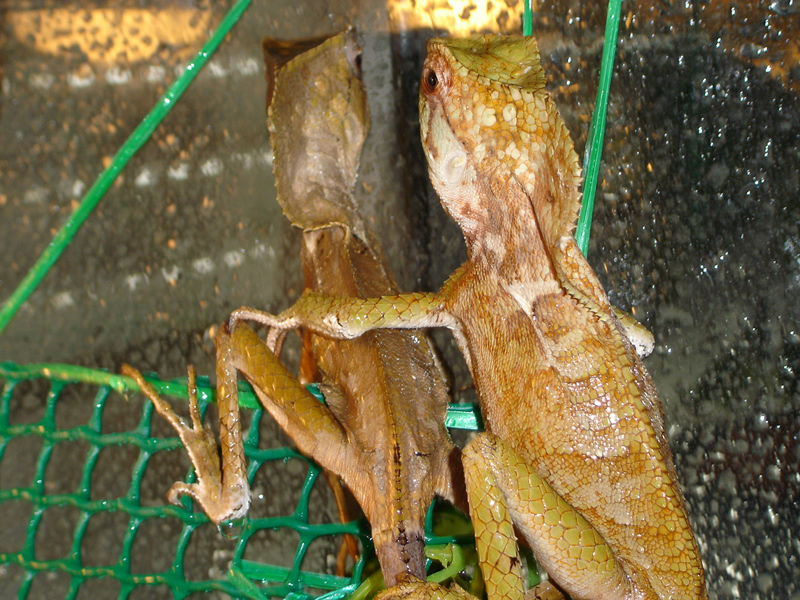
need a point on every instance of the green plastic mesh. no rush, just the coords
(36, 488)
(245, 578)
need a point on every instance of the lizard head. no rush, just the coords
(488, 123)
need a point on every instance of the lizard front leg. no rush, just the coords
(222, 489)
(347, 318)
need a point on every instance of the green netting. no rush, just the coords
(245, 578)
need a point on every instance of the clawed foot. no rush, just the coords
(420, 590)
(199, 441)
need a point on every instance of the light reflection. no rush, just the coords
(458, 17)
(107, 36)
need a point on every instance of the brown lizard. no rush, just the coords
(382, 430)
(575, 456)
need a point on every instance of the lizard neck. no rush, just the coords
(508, 239)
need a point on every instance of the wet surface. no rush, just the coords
(696, 223)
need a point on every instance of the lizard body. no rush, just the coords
(399, 453)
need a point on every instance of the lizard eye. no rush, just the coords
(430, 81)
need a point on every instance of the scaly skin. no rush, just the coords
(382, 431)
(575, 455)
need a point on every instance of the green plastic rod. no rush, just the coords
(132, 145)
(527, 18)
(594, 145)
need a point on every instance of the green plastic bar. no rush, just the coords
(131, 146)
(594, 145)
(463, 416)
(275, 573)
(527, 18)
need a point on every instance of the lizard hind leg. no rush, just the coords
(202, 449)
(505, 491)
